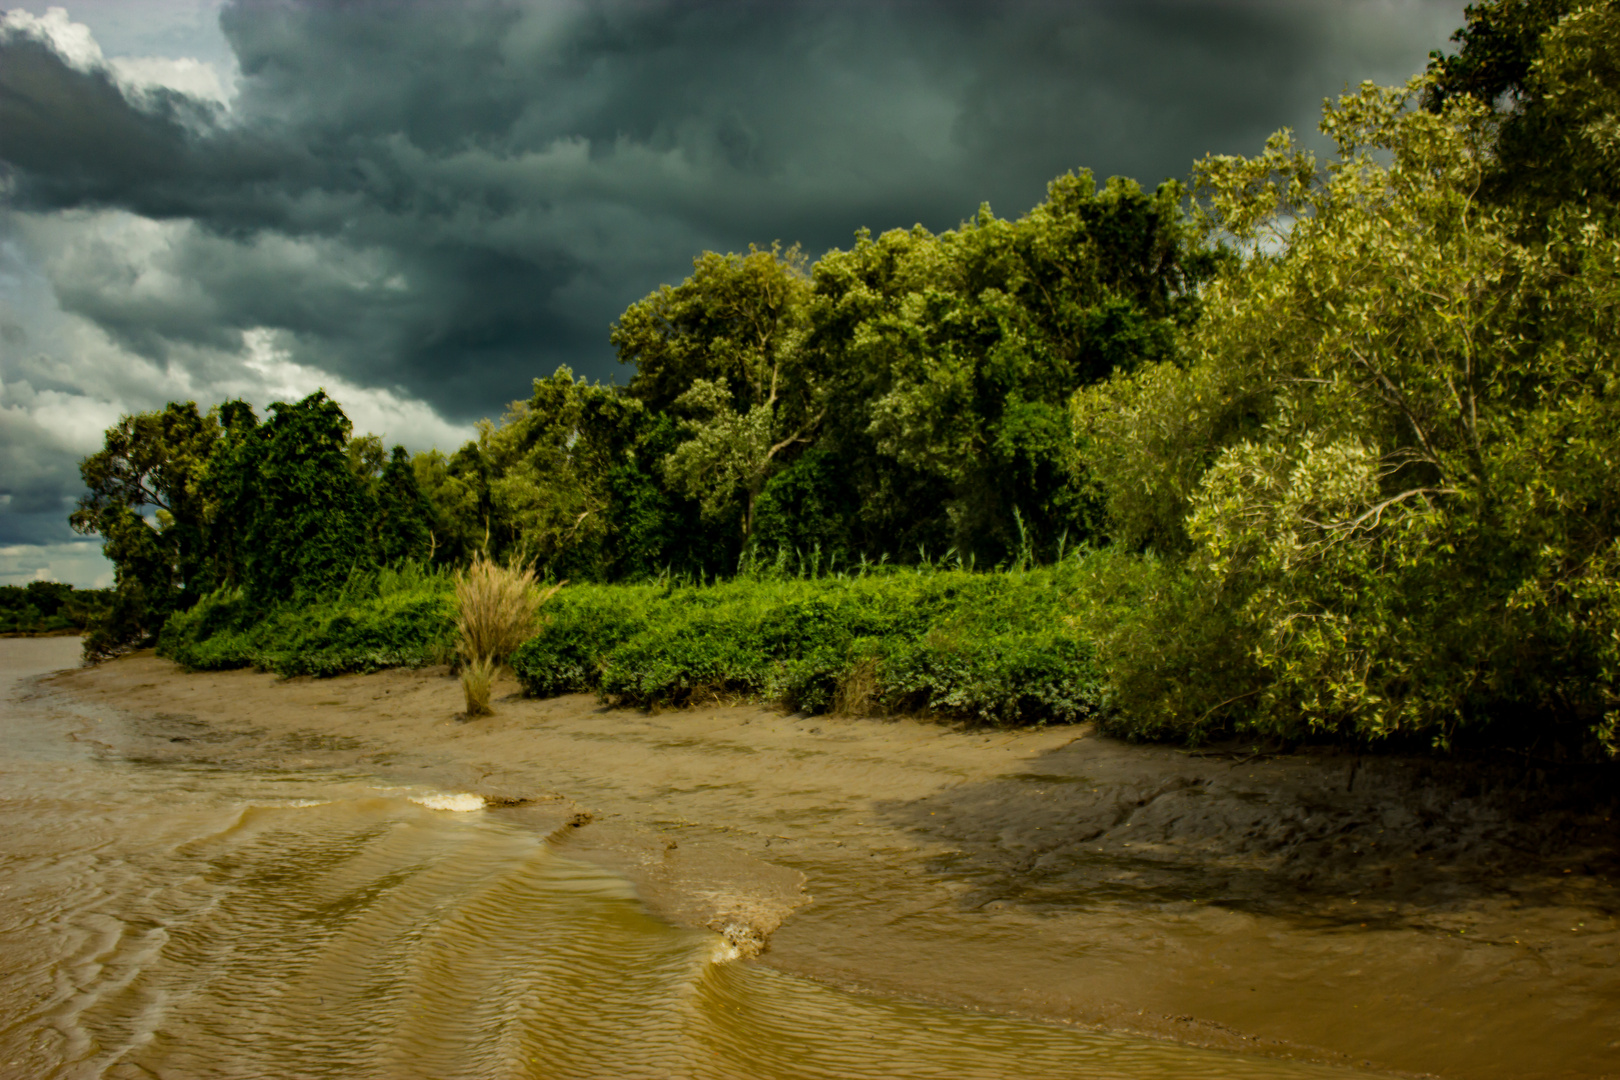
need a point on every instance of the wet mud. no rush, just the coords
(1402, 915)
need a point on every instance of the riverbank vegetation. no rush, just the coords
(497, 610)
(992, 647)
(1336, 443)
(49, 607)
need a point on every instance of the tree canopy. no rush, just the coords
(1349, 425)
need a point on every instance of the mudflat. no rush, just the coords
(1414, 916)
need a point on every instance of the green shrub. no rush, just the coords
(586, 623)
(995, 648)
(387, 618)
(49, 607)
(1001, 648)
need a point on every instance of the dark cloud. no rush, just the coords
(38, 482)
(454, 198)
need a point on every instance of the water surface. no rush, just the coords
(164, 919)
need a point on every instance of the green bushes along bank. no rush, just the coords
(989, 647)
(386, 618)
(995, 648)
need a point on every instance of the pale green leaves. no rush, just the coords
(1393, 455)
(728, 451)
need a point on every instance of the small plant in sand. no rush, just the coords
(497, 609)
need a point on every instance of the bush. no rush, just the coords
(586, 622)
(998, 648)
(49, 607)
(991, 648)
(401, 617)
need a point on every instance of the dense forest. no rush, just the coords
(1300, 448)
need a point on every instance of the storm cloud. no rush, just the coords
(434, 203)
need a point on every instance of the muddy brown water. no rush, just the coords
(229, 876)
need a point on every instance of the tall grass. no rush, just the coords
(497, 608)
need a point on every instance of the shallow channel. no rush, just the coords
(172, 920)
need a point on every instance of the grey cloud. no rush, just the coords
(518, 172)
(38, 481)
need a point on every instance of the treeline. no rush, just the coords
(907, 399)
(900, 400)
(1347, 428)
(49, 607)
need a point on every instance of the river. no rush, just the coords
(164, 919)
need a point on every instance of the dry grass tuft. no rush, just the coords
(477, 676)
(497, 609)
(858, 690)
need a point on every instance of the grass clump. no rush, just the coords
(496, 611)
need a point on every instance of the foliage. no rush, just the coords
(48, 607)
(957, 355)
(144, 498)
(1551, 71)
(723, 349)
(570, 479)
(1390, 457)
(991, 648)
(404, 521)
(301, 514)
(389, 617)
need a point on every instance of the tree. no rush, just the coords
(1550, 70)
(367, 459)
(302, 518)
(723, 347)
(144, 499)
(958, 353)
(457, 488)
(404, 526)
(1394, 453)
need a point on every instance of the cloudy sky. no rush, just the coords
(421, 205)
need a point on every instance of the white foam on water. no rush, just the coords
(461, 803)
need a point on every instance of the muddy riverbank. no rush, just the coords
(1385, 913)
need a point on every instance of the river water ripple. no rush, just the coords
(174, 920)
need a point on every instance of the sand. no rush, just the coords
(1408, 915)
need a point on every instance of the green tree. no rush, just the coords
(144, 499)
(1393, 454)
(457, 488)
(723, 348)
(572, 478)
(367, 458)
(1550, 70)
(404, 526)
(302, 518)
(807, 511)
(957, 353)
